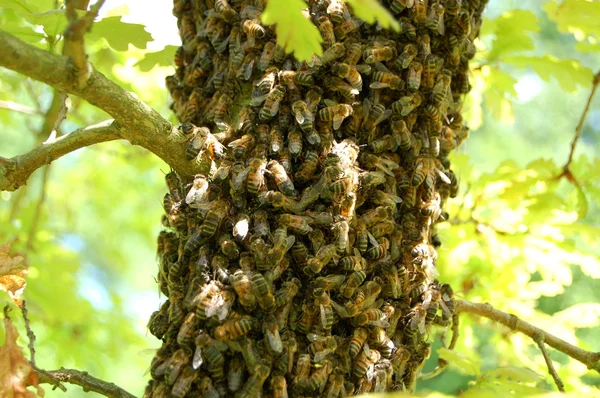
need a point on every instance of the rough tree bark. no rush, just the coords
(301, 259)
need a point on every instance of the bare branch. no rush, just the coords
(13, 106)
(141, 125)
(595, 83)
(589, 359)
(16, 171)
(84, 380)
(539, 339)
(30, 334)
(74, 45)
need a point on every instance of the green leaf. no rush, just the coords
(500, 87)
(459, 361)
(23, 32)
(510, 380)
(579, 17)
(371, 11)
(587, 47)
(567, 72)
(295, 32)
(511, 31)
(120, 34)
(19, 6)
(163, 57)
(53, 21)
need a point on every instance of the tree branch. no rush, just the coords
(140, 124)
(589, 359)
(539, 339)
(15, 172)
(13, 106)
(595, 83)
(82, 379)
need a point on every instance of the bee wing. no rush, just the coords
(329, 102)
(274, 340)
(445, 310)
(197, 360)
(443, 176)
(323, 316)
(441, 28)
(290, 242)
(372, 239)
(366, 107)
(381, 67)
(275, 108)
(364, 69)
(340, 309)
(382, 323)
(337, 121)
(223, 46)
(257, 98)
(248, 70)
(386, 114)
(377, 85)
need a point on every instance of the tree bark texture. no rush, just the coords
(301, 261)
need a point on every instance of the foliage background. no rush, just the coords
(515, 238)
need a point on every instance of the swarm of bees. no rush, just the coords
(301, 260)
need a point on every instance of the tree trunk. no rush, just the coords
(302, 261)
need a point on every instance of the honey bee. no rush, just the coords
(329, 282)
(282, 243)
(336, 386)
(347, 27)
(254, 385)
(174, 366)
(318, 380)
(337, 85)
(353, 263)
(271, 105)
(266, 56)
(373, 116)
(380, 340)
(159, 321)
(415, 69)
(397, 6)
(372, 317)
(323, 300)
(279, 387)
(379, 53)
(192, 107)
(378, 251)
(187, 31)
(407, 104)
(300, 253)
(336, 113)
(299, 224)
(352, 283)
(417, 318)
(365, 362)
(253, 28)
(435, 18)
(302, 114)
(313, 97)
(350, 73)
(234, 328)
(235, 374)
(406, 57)
(337, 11)
(407, 28)
(332, 53)
(241, 283)
(420, 10)
(371, 161)
(287, 292)
(359, 337)
(383, 78)
(187, 329)
(262, 291)
(271, 331)
(322, 347)
(462, 23)
(184, 382)
(323, 256)
(278, 199)
(214, 218)
(303, 367)
(326, 28)
(307, 318)
(449, 305)
(308, 167)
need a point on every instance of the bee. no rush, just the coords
(405, 105)
(332, 53)
(449, 305)
(420, 10)
(406, 57)
(308, 167)
(323, 301)
(253, 28)
(243, 288)
(235, 374)
(337, 85)
(278, 199)
(322, 257)
(256, 178)
(307, 318)
(435, 18)
(187, 30)
(271, 331)
(159, 321)
(254, 385)
(359, 337)
(347, 27)
(336, 113)
(226, 11)
(352, 283)
(303, 367)
(299, 77)
(379, 53)
(415, 69)
(262, 291)
(174, 366)
(214, 218)
(430, 69)
(337, 11)
(378, 251)
(329, 282)
(373, 116)
(348, 72)
(279, 387)
(353, 263)
(383, 78)
(184, 382)
(442, 90)
(271, 105)
(266, 57)
(299, 224)
(336, 386)
(287, 292)
(326, 28)
(187, 329)
(417, 319)
(397, 6)
(234, 328)
(313, 97)
(318, 380)
(372, 317)
(407, 28)
(192, 107)
(462, 23)
(365, 362)
(342, 229)
(321, 347)
(302, 114)
(383, 228)
(295, 142)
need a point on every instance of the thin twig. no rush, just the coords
(61, 116)
(20, 168)
(84, 380)
(589, 359)
(30, 334)
(595, 83)
(13, 106)
(38, 210)
(539, 339)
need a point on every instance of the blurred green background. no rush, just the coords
(529, 245)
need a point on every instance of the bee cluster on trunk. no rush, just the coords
(301, 260)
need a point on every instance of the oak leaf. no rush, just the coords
(12, 274)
